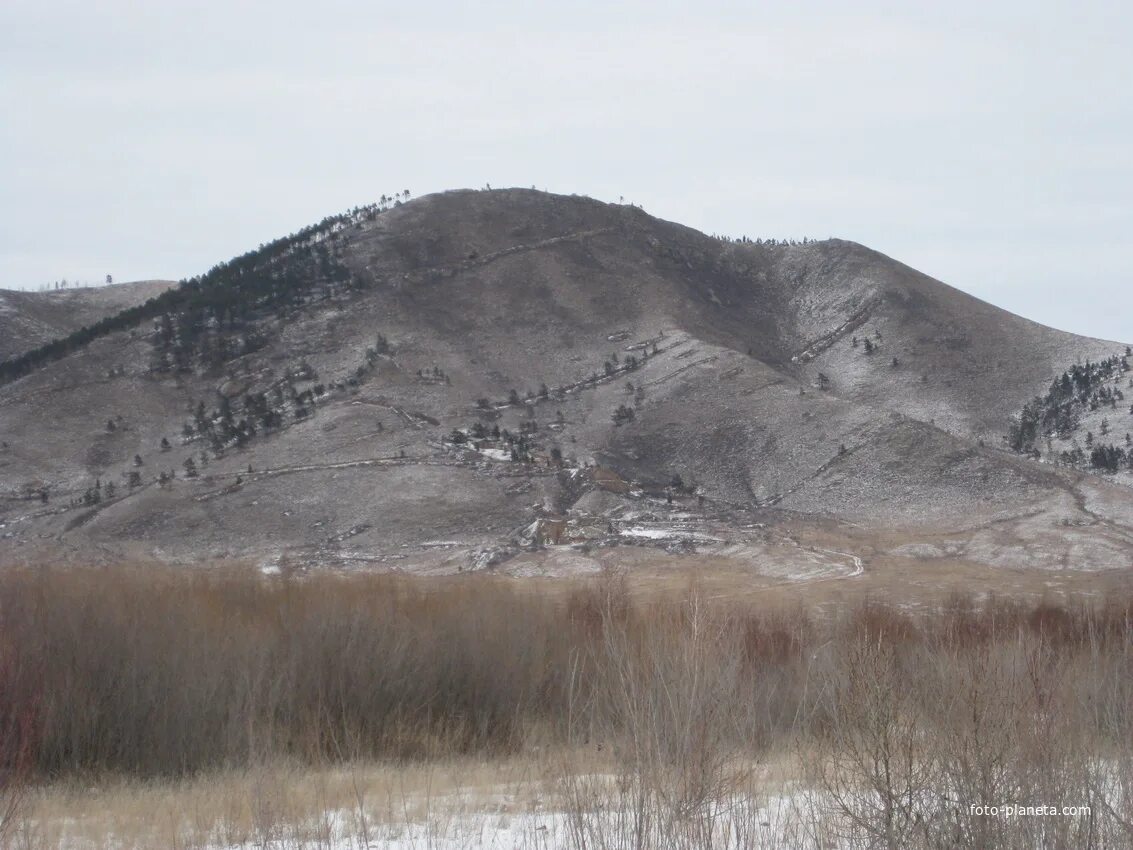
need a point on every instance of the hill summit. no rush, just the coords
(511, 379)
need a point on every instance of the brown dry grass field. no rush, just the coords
(904, 582)
(667, 704)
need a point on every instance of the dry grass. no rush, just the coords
(277, 804)
(236, 702)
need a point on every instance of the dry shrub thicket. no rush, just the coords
(899, 720)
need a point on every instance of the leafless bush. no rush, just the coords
(666, 709)
(19, 704)
(164, 673)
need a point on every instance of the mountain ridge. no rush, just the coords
(29, 319)
(815, 379)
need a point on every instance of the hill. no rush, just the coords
(529, 380)
(30, 319)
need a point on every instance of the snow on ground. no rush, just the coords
(496, 454)
(777, 821)
(663, 532)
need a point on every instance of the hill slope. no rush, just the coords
(448, 381)
(29, 319)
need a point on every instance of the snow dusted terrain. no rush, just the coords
(513, 371)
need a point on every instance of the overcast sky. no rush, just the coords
(987, 144)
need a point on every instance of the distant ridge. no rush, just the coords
(31, 319)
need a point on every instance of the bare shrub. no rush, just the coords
(18, 727)
(165, 673)
(872, 762)
(666, 711)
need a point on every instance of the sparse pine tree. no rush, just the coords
(623, 415)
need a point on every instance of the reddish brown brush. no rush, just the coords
(157, 671)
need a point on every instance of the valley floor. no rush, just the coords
(519, 802)
(217, 709)
(533, 802)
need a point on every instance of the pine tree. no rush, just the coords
(623, 415)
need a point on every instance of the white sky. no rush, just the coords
(985, 143)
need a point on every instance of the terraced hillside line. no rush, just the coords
(409, 420)
(778, 497)
(858, 318)
(684, 368)
(89, 512)
(486, 259)
(594, 381)
(9, 521)
(350, 464)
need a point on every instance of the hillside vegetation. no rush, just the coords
(28, 320)
(455, 379)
